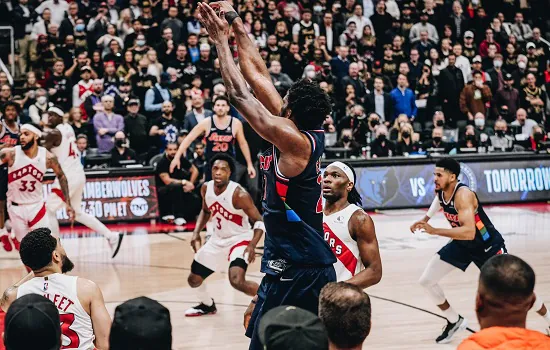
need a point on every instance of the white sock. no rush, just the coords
(203, 295)
(93, 223)
(451, 315)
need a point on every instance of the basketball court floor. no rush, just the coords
(157, 264)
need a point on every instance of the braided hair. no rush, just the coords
(353, 196)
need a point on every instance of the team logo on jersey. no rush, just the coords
(139, 206)
(467, 176)
(45, 286)
(340, 219)
(265, 162)
(217, 208)
(28, 169)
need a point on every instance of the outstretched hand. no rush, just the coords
(224, 6)
(217, 27)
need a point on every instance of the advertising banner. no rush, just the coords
(494, 182)
(118, 198)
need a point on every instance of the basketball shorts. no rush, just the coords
(296, 286)
(76, 182)
(216, 254)
(27, 217)
(461, 257)
(3, 183)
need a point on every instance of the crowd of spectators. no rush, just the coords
(405, 76)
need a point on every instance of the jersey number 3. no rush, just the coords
(66, 323)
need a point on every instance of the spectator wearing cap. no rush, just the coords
(535, 61)
(475, 97)
(292, 328)
(345, 311)
(477, 65)
(146, 17)
(32, 322)
(522, 31)
(156, 95)
(504, 297)
(489, 39)
(451, 84)
(423, 26)
(135, 127)
(506, 100)
(470, 47)
(92, 103)
(141, 323)
(107, 124)
(121, 152)
(403, 99)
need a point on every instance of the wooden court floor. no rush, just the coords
(157, 265)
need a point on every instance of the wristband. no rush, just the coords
(231, 16)
(259, 225)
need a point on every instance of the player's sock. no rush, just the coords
(451, 315)
(96, 225)
(203, 295)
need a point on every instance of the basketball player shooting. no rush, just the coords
(27, 166)
(61, 142)
(474, 238)
(297, 261)
(232, 210)
(349, 231)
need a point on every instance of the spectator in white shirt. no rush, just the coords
(521, 30)
(393, 9)
(57, 7)
(41, 27)
(527, 125)
(360, 20)
(462, 62)
(421, 26)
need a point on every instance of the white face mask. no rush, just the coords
(497, 64)
(42, 100)
(522, 65)
(479, 122)
(310, 74)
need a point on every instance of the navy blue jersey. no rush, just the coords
(293, 211)
(220, 140)
(486, 233)
(8, 137)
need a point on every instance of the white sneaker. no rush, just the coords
(115, 243)
(168, 218)
(180, 221)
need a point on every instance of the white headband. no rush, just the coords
(31, 128)
(56, 110)
(346, 169)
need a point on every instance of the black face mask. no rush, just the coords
(470, 137)
(500, 133)
(119, 142)
(439, 123)
(437, 139)
(346, 138)
(374, 123)
(381, 138)
(405, 134)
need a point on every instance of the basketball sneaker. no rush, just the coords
(450, 329)
(115, 243)
(201, 310)
(5, 240)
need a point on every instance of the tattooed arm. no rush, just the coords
(53, 164)
(10, 294)
(7, 156)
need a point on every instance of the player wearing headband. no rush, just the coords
(349, 231)
(61, 142)
(27, 166)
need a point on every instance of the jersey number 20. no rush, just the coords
(66, 323)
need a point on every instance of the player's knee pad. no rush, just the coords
(199, 270)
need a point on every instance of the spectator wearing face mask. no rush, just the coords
(356, 121)
(436, 141)
(470, 141)
(121, 151)
(382, 147)
(506, 100)
(353, 148)
(496, 74)
(475, 97)
(500, 140)
(39, 108)
(405, 141)
(481, 129)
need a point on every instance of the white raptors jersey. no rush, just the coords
(25, 177)
(76, 325)
(336, 230)
(226, 220)
(67, 153)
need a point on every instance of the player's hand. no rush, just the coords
(413, 226)
(188, 186)
(251, 171)
(196, 242)
(249, 311)
(250, 252)
(222, 6)
(175, 163)
(217, 27)
(70, 213)
(424, 226)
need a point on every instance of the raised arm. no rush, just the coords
(242, 200)
(281, 132)
(252, 65)
(243, 144)
(52, 163)
(362, 228)
(197, 131)
(52, 139)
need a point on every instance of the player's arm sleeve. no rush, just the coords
(434, 207)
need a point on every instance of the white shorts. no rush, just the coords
(27, 217)
(216, 254)
(76, 182)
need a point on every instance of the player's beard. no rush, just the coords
(66, 264)
(28, 145)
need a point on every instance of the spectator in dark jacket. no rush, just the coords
(451, 83)
(379, 102)
(506, 100)
(353, 79)
(340, 64)
(294, 63)
(381, 146)
(135, 127)
(281, 80)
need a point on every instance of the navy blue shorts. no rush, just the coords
(460, 256)
(297, 286)
(3, 183)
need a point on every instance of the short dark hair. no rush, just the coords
(345, 311)
(222, 98)
(309, 104)
(226, 158)
(81, 136)
(449, 164)
(507, 277)
(37, 247)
